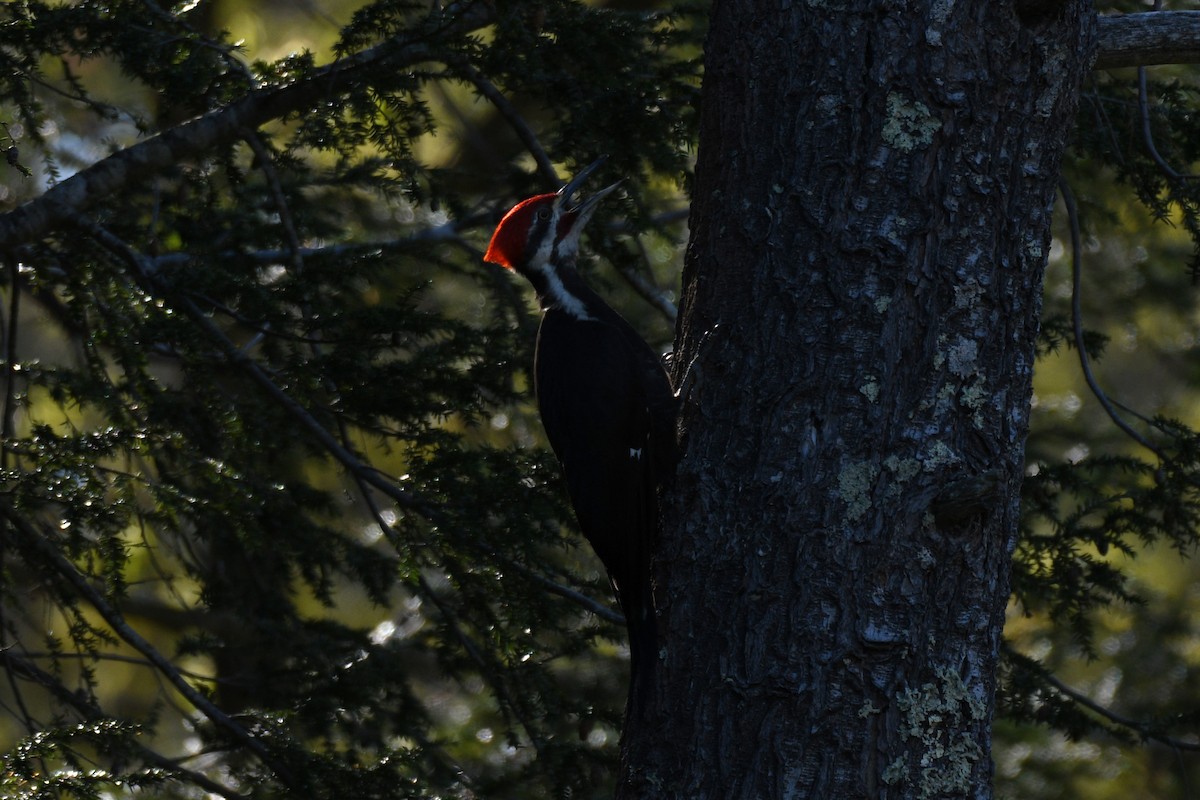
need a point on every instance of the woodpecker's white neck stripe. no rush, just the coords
(556, 295)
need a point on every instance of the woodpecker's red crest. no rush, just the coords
(511, 239)
(545, 227)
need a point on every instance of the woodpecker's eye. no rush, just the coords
(543, 213)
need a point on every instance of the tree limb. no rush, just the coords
(199, 136)
(1155, 37)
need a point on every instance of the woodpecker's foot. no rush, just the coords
(693, 376)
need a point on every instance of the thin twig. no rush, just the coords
(1077, 325)
(579, 598)
(266, 164)
(1141, 728)
(121, 658)
(513, 118)
(646, 288)
(449, 232)
(10, 360)
(1148, 134)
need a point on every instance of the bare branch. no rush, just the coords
(1141, 728)
(1155, 37)
(646, 288)
(1077, 323)
(579, 598)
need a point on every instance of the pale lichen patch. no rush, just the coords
(903, 469)
(967, 294)
(1034, 249)
(961, 359)
(975, 397)
(938, 454)
(939, 12)
(1054, 64)
(854, 487)
(910, 124)
(961, 356)
(940, 716)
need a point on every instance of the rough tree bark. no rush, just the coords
(870, 225)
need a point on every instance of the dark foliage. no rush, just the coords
(266, 428)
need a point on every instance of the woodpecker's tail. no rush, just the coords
(637, 603)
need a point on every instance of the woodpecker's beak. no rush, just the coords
(583, 210)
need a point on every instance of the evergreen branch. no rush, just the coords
(451, 619)
(487, 670)
(362, 473)
(433, 515)
(142, 268)
(40, 216)
(448, 232)
(116, 622)
(228, 52)
(15, 665)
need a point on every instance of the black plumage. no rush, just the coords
(606, 404)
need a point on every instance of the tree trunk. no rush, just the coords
(870, 224)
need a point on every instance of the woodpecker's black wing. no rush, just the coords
(594, 407)
(604, 399)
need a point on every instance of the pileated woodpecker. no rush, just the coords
(605, 401)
